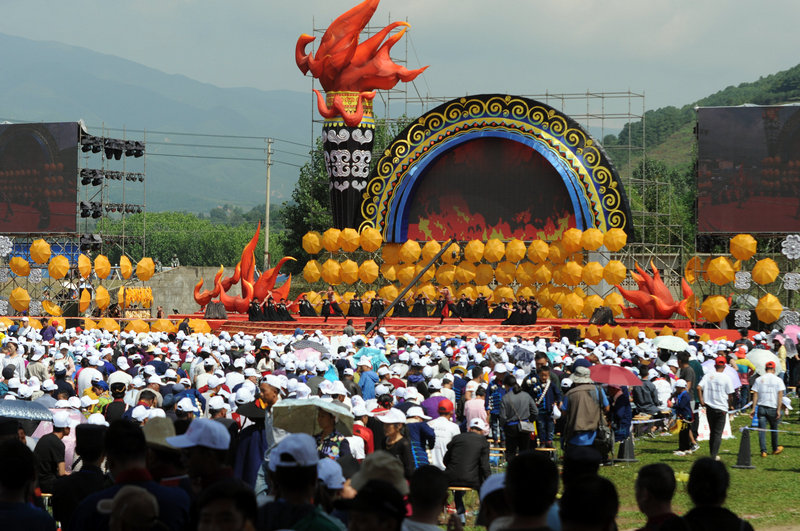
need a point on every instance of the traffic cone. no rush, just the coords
(626, 454)
(743, 459)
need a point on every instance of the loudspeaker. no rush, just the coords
(572, 334)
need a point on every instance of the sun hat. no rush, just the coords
(581, 376)
(417, 411)
(392, 416)
(203, 432)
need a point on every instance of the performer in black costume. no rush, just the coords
(356, 308)
(480, 309)
(329, 305)
(254, 312)
(377, 306)
(283, 311)
(420, 308)
(270, 310)
(464, 306)
(500, 311)
(306, 309)
(401, 309)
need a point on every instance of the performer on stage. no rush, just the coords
(270, 310)
(254, 312)
(480, 309)
(330, 306)
(420, 308)
(283, 311)
(377, 307)
(401, 309)
(464, 306)
(500, 311)
(445, 305)
(356, 308)
(306, 309)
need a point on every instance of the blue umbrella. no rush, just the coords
(522, 354)
(23, 409)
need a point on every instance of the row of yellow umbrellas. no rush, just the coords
(716, 308)
(721, 270)
(526, 273)
(35, 323)
(347, 240)
(140, 326)
(59, 267)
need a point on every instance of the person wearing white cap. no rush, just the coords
(682, 409)
(467, 461)
(494, 400)
(395, 442)
(206, 444)
(422, 436)
(367, 378)
(50, 452)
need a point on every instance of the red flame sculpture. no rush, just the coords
(653, 299)
(342, 64)
(245, 272)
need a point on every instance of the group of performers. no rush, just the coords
(269, 310)
(520, 312)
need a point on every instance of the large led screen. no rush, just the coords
(38, 177)
(748, 177)
(490, 188)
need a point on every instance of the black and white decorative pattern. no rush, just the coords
(3, 307)
(791, 281)
(5, 246)
(35, 308)
(4, 274)
(743, 280)
(790, 247)
(788, 317)
(35, 276)
(742, 319)
(348, 154)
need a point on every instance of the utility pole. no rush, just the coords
(266, 214)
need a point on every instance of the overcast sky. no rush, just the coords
(676, 51)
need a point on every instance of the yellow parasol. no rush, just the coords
(473, 251)
(199, 326)
(525, 272)
(108, 324)
(446, 274)
(614, 272)
(592, 239)
(88, 324)
(410, 252)
(571, 240)
(556, 253)
(138, 326)
(40, 251)
(715, 308)
(502, 292)
(720, 271)
(633, 332)
(592, 332)
(102, 267)
(58, 321)
(19, 299)
(542, 274)
(526, 291)
(388, 271)
(330, 240)
(58, 267)
(19, 266)
(349, 240)
(765, 272)
(428, 290)
(592, 273)
(543, 296)
(769, 308)
(615, 239)
(692, 268)
(163, 325)
(84, 266)
(571, 274)
(391, 253)
(590, 304)
(312, 271)
(349, 270)
(469, 291)
(494, 250)
(546, 312)
(452, 254)
(102, 298)
(312, 242)
(606, 332)
(465, 272)
(486, 291)
(428, 275)
(371, 239)
(743, 246)
(145, 269)
(51, 308)
(389, 292)
(505, 272)
(36, 324)
(665, 331)
(538, 251)
(515, 250)
(614, 301)
(571, 306)
(405, 274)
(484, 274)
(430, 249)
(331, 272)
(85, 300)
(368, 271)
(125, 267)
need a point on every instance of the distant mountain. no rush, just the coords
(48, 81)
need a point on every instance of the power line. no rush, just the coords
(205, 157)
(151, 143)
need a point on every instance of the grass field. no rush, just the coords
(766, 496)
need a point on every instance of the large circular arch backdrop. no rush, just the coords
(493, 166)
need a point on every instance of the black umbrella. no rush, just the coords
(23, 409)
(522, 354)
(305, 343)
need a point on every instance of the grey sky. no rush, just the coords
(675, 50)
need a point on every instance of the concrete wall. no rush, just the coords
(173, 288)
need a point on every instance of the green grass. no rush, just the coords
(766, 496)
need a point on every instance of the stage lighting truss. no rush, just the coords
(95, 177)
(113, 148)
(123, 208)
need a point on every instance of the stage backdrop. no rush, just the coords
(38, 177)
(489, 166)
(748, 177)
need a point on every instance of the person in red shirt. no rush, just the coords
(360, 429)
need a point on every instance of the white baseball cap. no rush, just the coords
(97, 419)
(681, 383)
(393, 416)
(417, 411)
(216, 403)
(296, 450)
(185, 405)
(140, 413)
(61, 419)
(478, 423)
(203, 432)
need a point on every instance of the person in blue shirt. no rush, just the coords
(682, 409)
(367, 378)
(494, 400)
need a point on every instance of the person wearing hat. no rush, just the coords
(48, 389)
(467, 462)
(293, 471)
(583, 405)
(37, 369)
(17, 484)
(445, 429)
(494, 400)
(768, 391)
(205, 445)
(50, 452)
(714, 391)
(682, 409)
(367, 378)
(422, 436)
(395, 442)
